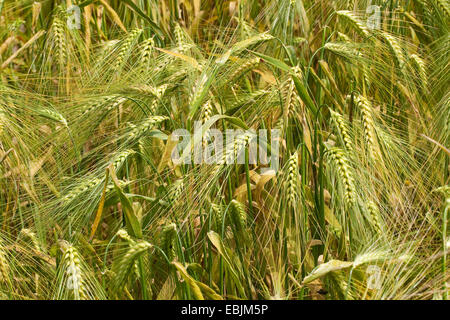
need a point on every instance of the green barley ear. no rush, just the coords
(342, 129)
(27, 234)
(338, 157)
(72, 284)
(120, 159)
(218, 215)
(52, 115)
(231, 151)
(239, 215)
(179, 35)
(58, 31)
(279, 124)
(444, 6)
(292, 97)
(158, 93)
(4, 265)
(124, 267)
(292, 181)
(123, 234)
(343, 37)
(368, 123)
(375, 218)
(146, 53)
(126, 47)
(419, 65)
(138, 131)
(354, 22)
(98, 104)
(176, 190)
(243, 68)
(395, 48)
(343, 49)
(169, 240)
(248, 98)
(81, 188)
(196, 96)
(207, 111)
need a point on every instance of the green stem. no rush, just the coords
(247, 176)
(444, 248)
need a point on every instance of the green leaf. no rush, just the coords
(277, 63)
(325, 268)
(132, 222)
(135, 8)
(226, 254)
(192, 283)
(304, 95)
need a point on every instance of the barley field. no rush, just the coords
(335, 185)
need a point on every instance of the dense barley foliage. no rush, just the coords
(94, 206)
